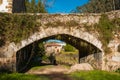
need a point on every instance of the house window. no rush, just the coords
(1, 1)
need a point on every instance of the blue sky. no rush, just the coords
(64, 6)
(55, 40)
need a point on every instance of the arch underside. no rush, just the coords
(84, 51)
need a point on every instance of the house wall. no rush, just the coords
(53, 49)
(3, 6)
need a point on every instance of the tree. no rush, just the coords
(33, 7)
(98, 6)
(27, 3)
(39, 50)
(41, 7)
(39, 55)
(69, 48)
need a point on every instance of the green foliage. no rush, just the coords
(41, 67)
(118, 70)
(15, 28)
(54, 24)
(42, 52)
(18, 76)
(42, 49)
(39, 52)
(95, 75)
(41, 7)
(69, 48)
(71, 23)
(57, 23)
(67, 58)
(116, 23)
(33, 7)
(99, 6)
(106, 28)
(82, 75)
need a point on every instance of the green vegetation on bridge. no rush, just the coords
(14, 28)
(20, 27)
(107, 29)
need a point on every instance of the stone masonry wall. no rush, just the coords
(46, 30)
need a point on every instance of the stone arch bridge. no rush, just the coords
(71, 26)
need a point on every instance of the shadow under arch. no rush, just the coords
(24, 55)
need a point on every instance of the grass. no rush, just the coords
(18, 76)
(41, 67)
(74, 52)
(95, 75)
(67, 58)
(81, 75)
(47, 66)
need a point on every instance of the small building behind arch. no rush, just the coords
(53, 47)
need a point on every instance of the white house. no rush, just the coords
(5, 5)
(53, 47)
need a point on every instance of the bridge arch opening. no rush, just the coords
(87, 52)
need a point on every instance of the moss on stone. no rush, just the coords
(15, 28)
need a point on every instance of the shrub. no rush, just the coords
(106, 27)
(15, 28)
(55, 24)
(71, 23)
(118, 70)
(69, 48)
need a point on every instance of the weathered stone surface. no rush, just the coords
(78, 31)
(8, 64)
(111, 65)
(12, 48)
(82, 66)
(112, 61)
(95, 60)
